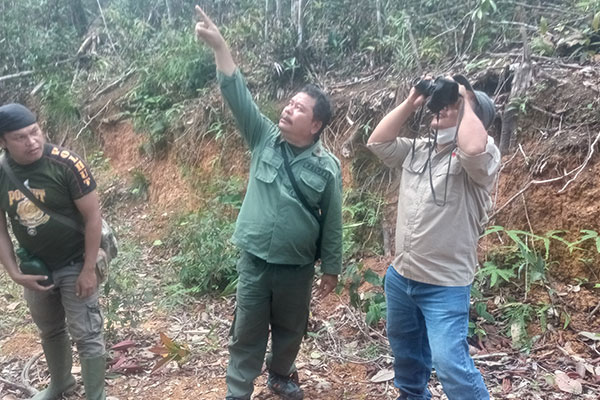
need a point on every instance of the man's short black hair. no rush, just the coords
(322, 109)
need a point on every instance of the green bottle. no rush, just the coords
(32, 265)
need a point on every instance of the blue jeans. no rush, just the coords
(427, 326)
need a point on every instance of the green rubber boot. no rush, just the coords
(59, 357)
(92, 372)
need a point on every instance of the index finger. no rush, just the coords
(35, 278)
(200, 13)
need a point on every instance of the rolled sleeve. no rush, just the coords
(392, 153)
(482, 167)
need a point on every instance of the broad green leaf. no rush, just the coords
(373, 278)
(543, 26)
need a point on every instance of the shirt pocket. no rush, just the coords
(315, 185)
(448, 182)
(268, 165)
(442, 170)
(415, 164)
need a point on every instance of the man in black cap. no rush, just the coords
(442, 209)
(62, 287)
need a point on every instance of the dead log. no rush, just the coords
(13, 76)
(521, 81)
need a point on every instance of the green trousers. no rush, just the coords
(272, 295)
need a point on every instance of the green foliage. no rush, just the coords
(173, 72)
(139, 185)
(524, 259)
(476, 329)
(520, 256)
(123, 290)
(362, 213)
(588, 235)
(97, 161)
(371, 302)
(60, 104)
(490, 270)
(483, 9)
(36, 33)
(517, 317)
(207, 260)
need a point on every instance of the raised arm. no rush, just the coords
(390, 126)
(472, 136)
(254, 127)
(208, 32)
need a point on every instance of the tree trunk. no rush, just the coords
(521, 81)
(379, 19)
(78, 16)
(278, 14)
(266, 30)
(297, 14)
(169, 14)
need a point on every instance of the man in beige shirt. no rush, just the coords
(442, 208)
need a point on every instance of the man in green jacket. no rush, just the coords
(281, 229)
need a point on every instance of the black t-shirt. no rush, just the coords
(56, 179)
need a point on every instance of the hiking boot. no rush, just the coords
(59, 359)
(92, 372)
(285, 386)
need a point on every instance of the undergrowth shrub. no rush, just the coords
(207, 259)
(172, 73)
(124, 291)
(362, 213)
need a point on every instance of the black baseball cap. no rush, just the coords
(15, 116)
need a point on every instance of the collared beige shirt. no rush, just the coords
(437, 244)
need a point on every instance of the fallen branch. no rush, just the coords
(533, 182)
(116, 82)
(539, 58)
(25, 389)
(25, 373)
(112, 44)
(90, 120)
(594, 311)
(521, 81)
(27, 73)
(536, 182)
(13, 76)
(548, 113)
(37, 88)
(490, 355)
(580, 168)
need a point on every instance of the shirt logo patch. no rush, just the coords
(317, 170)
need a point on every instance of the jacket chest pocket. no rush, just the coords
(268, 165)
(312, 186)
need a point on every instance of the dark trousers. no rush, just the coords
(272, 295)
